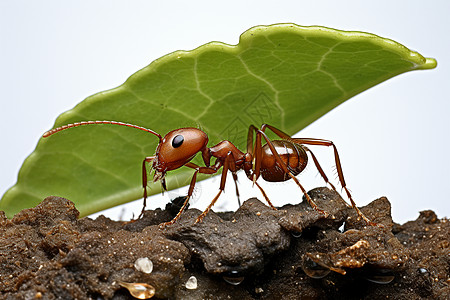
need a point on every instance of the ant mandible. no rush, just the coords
(275, 161)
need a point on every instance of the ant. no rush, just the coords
(275, 161)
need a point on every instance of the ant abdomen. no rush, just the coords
(293, 155)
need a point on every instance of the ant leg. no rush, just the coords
(237, 190)
(250, 147)
(322, 173)
(258, 157)
(186, 201)
(265, 196)
(256, 149)
(284, 167)
(145, 181)
(308, 198)
(198, 169)
(164, 185)
(320, 142)
(228, 164)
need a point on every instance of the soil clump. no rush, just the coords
(254, 253)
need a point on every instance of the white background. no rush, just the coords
(393, 139)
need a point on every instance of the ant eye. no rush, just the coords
(177, 141)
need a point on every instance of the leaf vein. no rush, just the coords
(270, 85)
(321, 69)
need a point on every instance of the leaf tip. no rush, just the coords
(430, 63)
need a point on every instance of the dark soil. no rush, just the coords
(255, 253)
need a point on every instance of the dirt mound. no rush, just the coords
(254, 253)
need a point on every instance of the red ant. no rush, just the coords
(276, 161)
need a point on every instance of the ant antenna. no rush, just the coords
(58, 129)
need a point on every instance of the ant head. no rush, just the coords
(178, 147)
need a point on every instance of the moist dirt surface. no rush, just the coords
(294, 252)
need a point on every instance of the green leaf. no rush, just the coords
(285, 75)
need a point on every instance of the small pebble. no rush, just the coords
(191, 284)
(144, 264)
